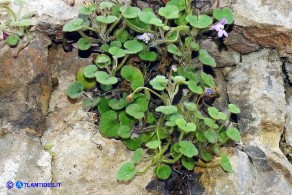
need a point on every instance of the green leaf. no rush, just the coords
(105, 47)
(150, 118)
(194, 87)
(153, 144)
(200, 137)
(126, 120)
(225, 164)
(190, 106)
(106, 20)
(83, 44)
(215, 114)
(171, 48)
(201, 21)
(223, 13)
(48, 146)
(104, 5)
(159, 82)
(126, 172)
(135, 111)
(207, 79)
(133, 143)
(222, 116)
(163, 171)
(103, 61)
(206, 156)
(133, 75)
(138, 155)
(138, 25)
(233, 109)
(172, 36)
(206, 59)
(194, 46)
(75, 90)
(167, 110)
(179, 79)
(117, 104)
(86, 10)
(188, 149)
(108, 124)
(117, 52)
(132, 12)
(133, 46)
(103, 105)
(86, 82)
(22, 23)
(233, 134)
(90, 103)
(180, 4)
(188, 163)
(209, 122)
(187, 127)
(74, 25)
(116, 44)
(89, 71)
(148, 56)
(12, 40)
(103, 78)
(169, 12)
(211, 136)
(124, 132)
(150, 18)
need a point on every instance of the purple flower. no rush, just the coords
(146, 37)
(219, 27)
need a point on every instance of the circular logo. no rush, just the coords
(9, 184)
(19, 184)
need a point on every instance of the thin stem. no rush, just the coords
(119, 32)
(109, 30)
(10, 11)
(121, 64)
(146, 88)
(172, 161)
(23, 46)
(207, 165)
(93, 40)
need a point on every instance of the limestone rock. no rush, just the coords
(25, 85)
(223, 56)
(22, 158)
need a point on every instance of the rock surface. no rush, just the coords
(25, 85)
(264, 22)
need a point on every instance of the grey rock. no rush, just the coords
(250, 13)
(288, 124)
(223, 56)
(288, 69)
(256, 86)
(22, 158)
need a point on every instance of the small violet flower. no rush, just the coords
(219, 27)
(146, 37)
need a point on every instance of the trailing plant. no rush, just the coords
(15, 26)
(148, 83)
